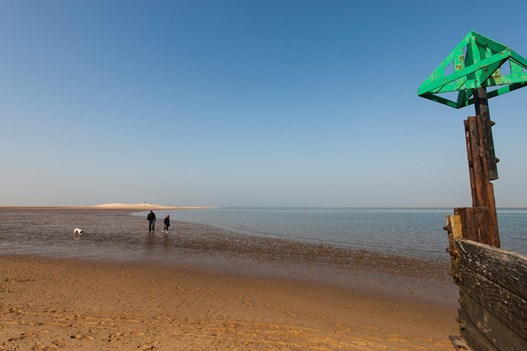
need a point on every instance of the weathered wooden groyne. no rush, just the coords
(492, 292)
(492, 282)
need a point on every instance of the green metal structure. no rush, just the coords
(476, 62)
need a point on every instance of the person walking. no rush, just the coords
(167, 223)
(151, 218)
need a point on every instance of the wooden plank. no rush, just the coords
(503, 304)
(476, 169)
(481, 105)
(475, 339)
(483, 219)
(469, 130)
(498, 334)
(481, 187)
(491, 235)
(507, 269)
(474, 223)
(468, 226)
(453, 227)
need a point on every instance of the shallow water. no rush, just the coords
(114, 235)
(117, 234)
(120, 236)
(404, 232)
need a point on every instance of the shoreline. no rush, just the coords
(118, 237)
(58, 303)
(132, 208)
(205, 288)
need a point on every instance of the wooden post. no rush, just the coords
(455, 232)
(482, 169)
(481, 105)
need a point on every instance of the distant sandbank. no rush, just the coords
(109, 206)
(145, 206)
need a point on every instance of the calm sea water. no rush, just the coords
(414, 233)
(409, 232)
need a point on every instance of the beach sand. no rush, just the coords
(56, 304)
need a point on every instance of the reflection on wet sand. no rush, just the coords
(113, 235)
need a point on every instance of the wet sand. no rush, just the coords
(226, 292)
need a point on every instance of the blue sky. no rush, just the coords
(245, 103)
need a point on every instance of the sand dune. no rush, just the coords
(140, 206)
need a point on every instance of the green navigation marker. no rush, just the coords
(476, 62)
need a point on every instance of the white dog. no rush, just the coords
(78, 232)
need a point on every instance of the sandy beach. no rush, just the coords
(68, 304)
(248, 294)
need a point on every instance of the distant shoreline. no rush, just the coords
(104, 207)
(141, 207)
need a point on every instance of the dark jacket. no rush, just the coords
(151, 217)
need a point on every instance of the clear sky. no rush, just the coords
(245, 103)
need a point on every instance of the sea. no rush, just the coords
(416, 233)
